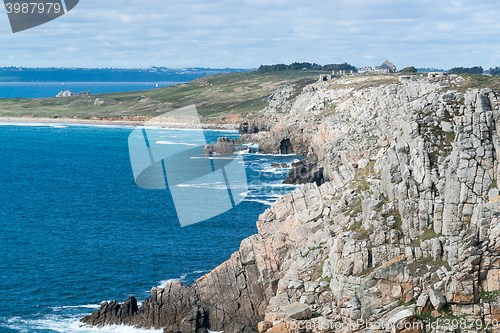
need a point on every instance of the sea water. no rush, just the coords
(75, 229)
(51, 89)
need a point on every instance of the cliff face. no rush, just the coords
(399, 223)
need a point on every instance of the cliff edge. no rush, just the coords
(395, 228)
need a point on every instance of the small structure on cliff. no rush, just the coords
(436, 74)
(386, 67)
(403, 78)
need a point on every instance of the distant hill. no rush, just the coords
(215, 97)
(153, 74)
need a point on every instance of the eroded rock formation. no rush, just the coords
(402, 226)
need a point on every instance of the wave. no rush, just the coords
(213, 186)
(273, 170)
(283, 155)
(182, 278)
(87, 306)
(24, 124)
(277, 185)
(175, 143)
(60, 125)
(262, 201)
(151, 126)
(164, 283)
(251, 145)
(69, 323)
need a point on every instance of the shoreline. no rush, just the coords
(79, 121)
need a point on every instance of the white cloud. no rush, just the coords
(224, 33)
(445, 26)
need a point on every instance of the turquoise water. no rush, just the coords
(75, 229)
(51, 89)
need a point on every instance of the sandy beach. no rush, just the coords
(76, 121)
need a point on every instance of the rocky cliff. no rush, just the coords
(396, 227)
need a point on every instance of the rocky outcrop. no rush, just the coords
(68, 93)
(224, 146)
(400, 227)
(305, 171)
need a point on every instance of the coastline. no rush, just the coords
(79, 121)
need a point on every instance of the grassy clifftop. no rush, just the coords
(215, 97)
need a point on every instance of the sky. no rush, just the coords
(248, 33)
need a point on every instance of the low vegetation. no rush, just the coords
(477, 70)
(215, 97)
(408, 70)
(306, 66)
(425, 265)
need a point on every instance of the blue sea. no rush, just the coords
(51, 89)
(76, 230)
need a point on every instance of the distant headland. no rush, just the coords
(153, 74)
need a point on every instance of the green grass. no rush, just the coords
(428, 234)
(215, 97)
(358, 227)
(311, 249)
(397, 217)
(492, 185)
(355, 207)
(359, 182)
(489, 296)
(426, 265)
(479, 81)
(367, 271)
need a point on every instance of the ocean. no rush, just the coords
(51, 89)
(75, 229)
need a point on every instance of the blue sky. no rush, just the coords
(248, 33)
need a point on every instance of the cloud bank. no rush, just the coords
(248, 33)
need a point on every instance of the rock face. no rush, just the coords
(404, 217)
(298, 311)
(224, 146)
(305, 171)
(68, 93)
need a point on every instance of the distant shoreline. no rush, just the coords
(78, 121)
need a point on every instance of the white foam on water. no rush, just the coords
(62, 125)
(180, 128)
(274, 170)
(251, 145)
(24, 124)
(164, 283)
(67, 324)
(87, 306)
(261, 154)
(182, 278)
(264, 202)
(211, 158)
(176, 143)
(266, 185)
(213, 186)
(200, 272)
